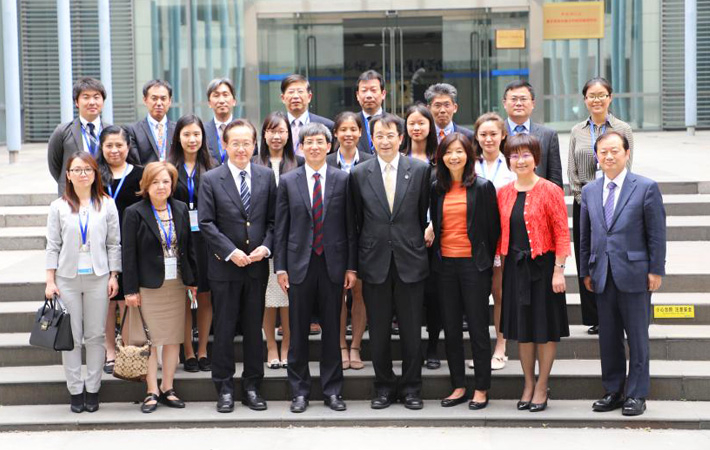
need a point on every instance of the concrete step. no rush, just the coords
(667, 342)
(570, 380)
(33, 199)
(23, 216)
(499, 413)
(676, 205)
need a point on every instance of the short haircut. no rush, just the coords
(314, 129)
(88, 84)
(443, 176)
(438, 89)
(517, 84)
(597, 80)
(489, 117)
(519, 143)
(370, 75)
(294, 78)
(151, 171)
(387, 120)
(160, 83)
(217, 82)
(611, 133)
(344, 117)
(236, 123)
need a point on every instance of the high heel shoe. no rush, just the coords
(522, 405)
(538, 407)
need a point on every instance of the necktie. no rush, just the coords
(609, 205)
(295, 128)
(93, 142)
(389, 184)
(317, 209)
(161, 140)
(244, 191)
(442, 135)
(221, 130)
(519, 129)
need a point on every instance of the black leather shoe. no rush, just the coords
(225, 403)
(77, 403)
(432, 363)
(473, 405)
(91, 404)
(191, 365)
(449, 402)
(177, 403)
(522, 406)
(634, 406)
(299, 404)
(538, 407)
(594, 329)
(381, 401)
(413, 401)
(254, 401)
(150, 407)
(335, 402)
(610, 402)
(204, 364)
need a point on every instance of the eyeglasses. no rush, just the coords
(241, 145)
(389, 136)
(515, 100)
(600, 97)
(516, 156)
(445, 105)
(82, 171)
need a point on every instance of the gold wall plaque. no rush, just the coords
(510, 38)
(573, 20)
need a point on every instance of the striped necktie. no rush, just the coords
(93, 142)
(317, 208)
(244, 192)
(609, 205)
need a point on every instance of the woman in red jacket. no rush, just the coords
(535, 242)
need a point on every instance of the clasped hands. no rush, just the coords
(241, 259)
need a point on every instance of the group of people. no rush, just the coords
(409, 221)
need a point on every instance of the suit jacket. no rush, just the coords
(294, 226)
(550, 167)
(333, 161)
(225, 225)
(320, 119)
(635, 243)
(143, 261)
(383, 235)
(66, 140)
(364, 144)
(465, 131)
(213, 140)
(482, 222)
(64, 238)
(142, 143)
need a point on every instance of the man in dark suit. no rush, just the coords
(82, 133)
(441, 101)
(151, 137)
(222, 100)
(370, 94)
(622, 260)
(315, 257)
(236, 214)
(296, 96)
(519, 102)
(391, 196)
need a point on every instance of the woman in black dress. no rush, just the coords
(190, 156)
(121, 178)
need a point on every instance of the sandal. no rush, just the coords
(498, 362)
(108, 366)
(284, 363)
(147, 407)
(274, 364)
(346, 360)
(356, 364)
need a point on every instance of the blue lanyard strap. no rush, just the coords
(120, 184)
(367, 130)
(161, 148)
(483, 169)
(92, 148)
(191, 184)
(84, 228)
(222, 152)
(345, 166)
(168, 237)
(602, 130)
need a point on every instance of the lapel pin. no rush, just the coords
(406, 177)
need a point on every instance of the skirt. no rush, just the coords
(531, 312)
(164, 314)
(275, 297)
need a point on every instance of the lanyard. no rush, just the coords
(602, 130)
(483, 170)
(120, 184)
(222, 151)
(161, 148)
(84, 228)
(345, 166)
(367, 130)
(191, 185)
(92, 148)
(168, 237)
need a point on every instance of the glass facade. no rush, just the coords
(3, 136)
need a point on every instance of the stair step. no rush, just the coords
(676, 205)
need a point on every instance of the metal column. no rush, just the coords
(12, 79)
(691, 66)
(65, 60)
(105, 58)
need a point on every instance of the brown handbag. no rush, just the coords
(131, 360)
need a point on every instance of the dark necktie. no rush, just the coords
(317, 216)
(519, 129)
(244, 191)
(93, 142)
(609, 205)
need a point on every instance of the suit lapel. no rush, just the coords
(149, 135)
(230, 186)
(76, 133)
(470, 207)
(627, 189)
(147, 213)
(177, 219)
(403, 177)
(378, 185)
(329, 187)
(214, 137)
(302, 185)
(256, 184)
(597, 200)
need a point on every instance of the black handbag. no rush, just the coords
(52, 327)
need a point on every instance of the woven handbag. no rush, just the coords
(131, 360)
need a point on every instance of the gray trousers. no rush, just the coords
(86, 299)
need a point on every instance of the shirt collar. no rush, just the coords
(310, 171)
(619, 180)
(512, 125)
(304, 118)
(383, 163)
(367, 116)
(218, 123)
(448, 129)
(154, 122)
(236, 171)
(356, 158)
(608, 120)
(96, 122)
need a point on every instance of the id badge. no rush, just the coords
(171, 268)
(194, 225)
(85, 266)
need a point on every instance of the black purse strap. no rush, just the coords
(145, 328)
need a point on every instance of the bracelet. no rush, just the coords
(561, 266)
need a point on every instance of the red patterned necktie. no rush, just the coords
(317, 208)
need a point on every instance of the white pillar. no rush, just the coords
(105, 52)
(13, 112)
(691, 67)
(65, 60)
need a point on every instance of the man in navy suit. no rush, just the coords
(622, 260)
(315, 257)
(296, 95)
(151, 137)
(236, 214)
(370, 94)
(441, 101)
(222, 100)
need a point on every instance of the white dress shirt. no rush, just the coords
(154, 126)
(499, 174)
(237, 175)
(217, 124)
(312, 181)
(619, 181)
(97, 132)
(448, 129)
(512, 125)
(303, 120)
(395, 165)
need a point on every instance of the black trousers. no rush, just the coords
(381, 302)
(316, 292)
(239, 302)
(463, 289)
(432, 312)
(590, 316)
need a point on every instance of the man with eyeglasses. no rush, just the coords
(82, 133)
(519, 103)
(441, 101)
(296, 95)
(236, 214)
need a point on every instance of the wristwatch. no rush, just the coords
(561, 266)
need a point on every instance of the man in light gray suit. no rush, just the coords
(519, 102)
(81, 133)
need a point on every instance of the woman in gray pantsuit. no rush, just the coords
(83, 261)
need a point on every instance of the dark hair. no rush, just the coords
(488, 117)
(607, 135)
(370, 75)
(104, 168)
(520, 142)
(387, 120)
(161, 83)
(344, 117)
(239, 123)
(443, 176)
(315, 129)
(217, 82)
(431, 140)
(97, 188)
(273, 120)
(517, 84)
(439, 89)
(176, 156)
(294, 78)
(88, 84)
(597, 80)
